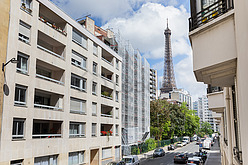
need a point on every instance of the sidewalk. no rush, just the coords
(215, 156)
(149, 154)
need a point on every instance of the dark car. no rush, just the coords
(171, 147)
(116, 163)
(158, 152)
(181, 158)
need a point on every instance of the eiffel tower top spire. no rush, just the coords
(169, 82)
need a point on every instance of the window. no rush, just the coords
(117, 130)
(117, 113)
(22, 65)
(106, 153)
(77, 106)
(117, 64)
(16, 162)
(95, 49)
(94, 87)
(78, 82)
(116, 96)
(94, 109)
(26, 3)
(18, 128)
(79, 38)
(94, 68)
(20, 95)
(77, 129)
(117, 80)
(42, 99)
(24, 32)
(76, 158)
(46, 160)
(78, 60)
(93, 129)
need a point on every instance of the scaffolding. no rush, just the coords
(135, 94)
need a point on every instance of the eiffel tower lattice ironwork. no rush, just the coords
(169, 82)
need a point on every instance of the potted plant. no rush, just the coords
(23, 6)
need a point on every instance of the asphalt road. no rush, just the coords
(168, 159)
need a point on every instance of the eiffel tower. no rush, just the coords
(169, 83)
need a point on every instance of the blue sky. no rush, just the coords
(142, 23)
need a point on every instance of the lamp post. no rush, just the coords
(13, 60)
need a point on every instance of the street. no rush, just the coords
(168, 159)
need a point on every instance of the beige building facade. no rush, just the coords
(4, 29)
(64, 105)
(218, 31)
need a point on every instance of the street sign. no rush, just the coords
(200, 145)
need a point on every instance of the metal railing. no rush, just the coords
(47, 135)
(213, 89)
(106, 115)
(49, 51)
(49, 79)
(78, 88)
(107, 97)
(105, 78)
(211, 12)
(47, 107)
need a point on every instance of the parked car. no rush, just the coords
(131, 160)
(187, 139)
(158, 152)
(116, 163)
(171, 147)
(179, 144)
(184, 142)
(195, 160)
(181, 158)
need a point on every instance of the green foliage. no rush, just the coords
(169, 120)
(206, 128)
(151, 144)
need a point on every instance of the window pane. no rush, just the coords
(76, 36)
(94, 108)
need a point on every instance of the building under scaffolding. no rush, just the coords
(135, 86)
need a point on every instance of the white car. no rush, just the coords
(131, 160)
(184, 142)
(179, 144)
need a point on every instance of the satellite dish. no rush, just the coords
(6, 89)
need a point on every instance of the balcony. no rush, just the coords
(46, 129)
(209, 12)
(212, 36)
(48, 100)
(107, 57)
(49, 73)
(26, 6)
(106, 92)
(106, 129)
(106, 111)
(216, 101)
(52, 20)
(213, 89)
(50, 45)
(107, 75)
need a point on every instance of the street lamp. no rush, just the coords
(13, 60)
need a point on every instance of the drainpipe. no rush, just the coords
(229, 125)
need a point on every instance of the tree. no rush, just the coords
(159, 117)
(206, 128)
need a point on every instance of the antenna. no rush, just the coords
(167, 23)
(83, 17)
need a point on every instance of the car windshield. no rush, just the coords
(127, 160)
(158, 150)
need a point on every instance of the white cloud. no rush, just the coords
(146, 26)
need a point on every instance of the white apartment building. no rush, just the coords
(204, 113)
(218, 35)
(64, 102)
(153, 84)
(178, 96)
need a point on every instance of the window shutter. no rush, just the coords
(75, 105)
(24, 29)
(94, 108)
(106, 153)
(76, 36)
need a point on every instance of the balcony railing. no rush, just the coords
(211, 12)
(47, 107)
(47, 136)
(49, 51)
(213, 89)
(50, 79)
(52, 25)
(106, 78)
(107, 97)
(106, 115)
